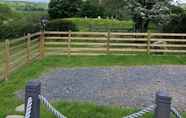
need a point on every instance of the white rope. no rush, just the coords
(28, 108)
(50, 107)
(141, 113)
(175, 112)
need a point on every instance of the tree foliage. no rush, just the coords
(177, 22)
(116, 9)
(145, 11)
(64, 8)
(91, 10)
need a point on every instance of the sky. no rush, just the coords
(182, 1)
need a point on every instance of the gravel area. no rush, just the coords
(124, 86)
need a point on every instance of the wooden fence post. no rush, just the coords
(108, 42)
(148, 42)
(41, 45)
(29, 57)
(69, 43)
(7, 59)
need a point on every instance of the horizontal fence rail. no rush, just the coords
(101, 43)
(15, 53)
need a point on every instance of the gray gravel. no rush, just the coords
(125, 86)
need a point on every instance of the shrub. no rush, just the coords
(20, 25)
(176, 25)
(61, 25)
(82, 24)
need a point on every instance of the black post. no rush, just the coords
(163, 105)
(33, 89)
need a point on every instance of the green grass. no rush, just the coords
(19, 79)
(85, 24)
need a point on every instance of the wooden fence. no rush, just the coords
(96, 43)
(15, 53)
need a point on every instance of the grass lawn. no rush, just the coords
(17, 81)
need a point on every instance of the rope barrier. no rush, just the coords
(50, 107)
(28, 108)
(141, 113)
(175, 112)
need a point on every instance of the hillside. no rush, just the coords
(25, 6)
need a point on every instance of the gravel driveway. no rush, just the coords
(125, 86)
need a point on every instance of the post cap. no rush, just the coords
(163, 97)
(33, 85)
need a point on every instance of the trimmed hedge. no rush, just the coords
(61, 25)
(87, 24)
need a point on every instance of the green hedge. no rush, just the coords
(87, 24)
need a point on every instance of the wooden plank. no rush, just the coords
(129, 34)
(18, 40)
(169, 40)
(28, 49)
(7, 59)
(35, 46)
(129, 44)
(21, 45)
(90, 38)
(76, 49)
(75, 43)
(168, 51)
(81, 54)
(41, 46)
(14, 68)
(33, 41)
(37, 34)
(168, 34)
(77, 38)
(127, 50)
(97, 49)
(169, 45)
(18, 60)
(18, 54)
(128, 39)
(55, 33)
(56, 38)
(89, 33)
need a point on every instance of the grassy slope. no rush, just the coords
(83, 110)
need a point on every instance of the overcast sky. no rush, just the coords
(183, 1)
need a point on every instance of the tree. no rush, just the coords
(64, 8)
(116, 9)
(145, 11)
(177, 22)
(92, 10)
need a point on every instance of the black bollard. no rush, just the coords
(33, 89)
(163, 105)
